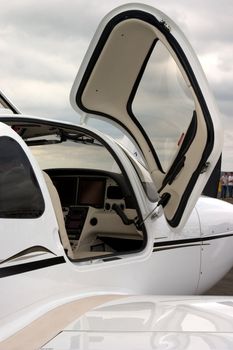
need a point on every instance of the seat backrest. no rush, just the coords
(59, 214)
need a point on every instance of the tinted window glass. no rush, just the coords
(164, 104)
(20, 195)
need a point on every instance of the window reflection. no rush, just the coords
(20, 195)
(163, 104)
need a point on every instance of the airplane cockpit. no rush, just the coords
(100, 213)
(93, 199)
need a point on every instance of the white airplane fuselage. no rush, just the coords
(79, 214)
(37, 274)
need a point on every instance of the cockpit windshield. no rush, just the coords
(71, 150)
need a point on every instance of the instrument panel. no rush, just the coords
(80, 190)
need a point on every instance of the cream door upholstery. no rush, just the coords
(59, 215)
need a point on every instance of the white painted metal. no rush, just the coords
(216, 257)
(160, 272)
(184, 262)
(152, 322)
(109, 97)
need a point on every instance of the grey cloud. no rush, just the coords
(42, 44)
(55, 19)
(224, 91)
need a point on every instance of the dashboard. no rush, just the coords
(81, 190)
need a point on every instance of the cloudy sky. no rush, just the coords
(42, 44)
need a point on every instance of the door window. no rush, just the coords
(163, 104)
(20, 195)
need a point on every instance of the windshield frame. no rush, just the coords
(143, 175)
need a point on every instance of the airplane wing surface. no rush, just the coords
(151, 323)
(131, 322)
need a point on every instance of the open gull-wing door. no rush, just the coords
(141, 73)
(6, 106)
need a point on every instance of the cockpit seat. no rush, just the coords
(59, 215)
